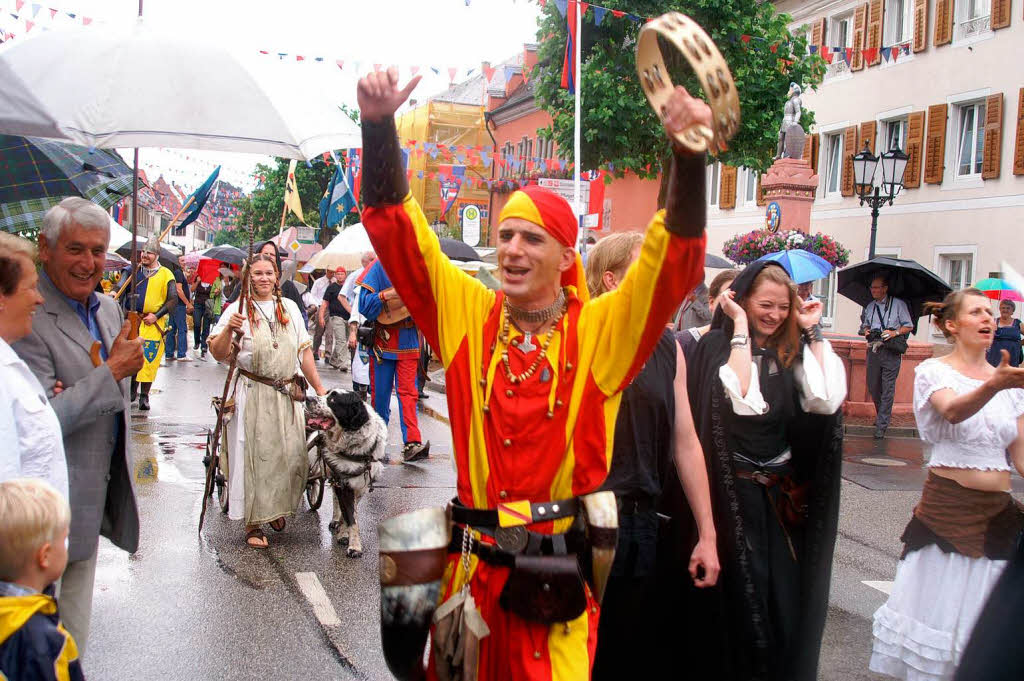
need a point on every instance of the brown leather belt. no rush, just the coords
(282, 385)
(406, 323)
(760, 477)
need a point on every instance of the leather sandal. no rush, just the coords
(278, 524)
(256, 533)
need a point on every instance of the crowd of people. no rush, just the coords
(713, 443)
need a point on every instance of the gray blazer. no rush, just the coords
(94, 417)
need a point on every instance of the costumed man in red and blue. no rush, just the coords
(156, 296)
(393, 356)
(534, 376)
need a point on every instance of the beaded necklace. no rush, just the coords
(504, 338)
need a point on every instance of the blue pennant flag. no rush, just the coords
(813, 49)
(886, 53)
(338, 201)
(200, 195)
(563, 6)
(599, 13)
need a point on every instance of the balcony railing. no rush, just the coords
(973, 27)
(838, 67)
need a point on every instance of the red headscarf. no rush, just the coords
(551, 212)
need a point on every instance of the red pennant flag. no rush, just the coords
(583, 8)
(18, 5)
(827, 56)
(451, 74)
(86, 21)
(488, 73)
(28, 25)
(53, 13)
(774, 48)
(543, 2)
(618, 14)
(870, 54)
(849, 55)
(264, 52)
(299, 57)
(745, 38)
(340, 63)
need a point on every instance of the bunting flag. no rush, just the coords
(291, 193)
(200, 195)
(569, 62)
(450, 178)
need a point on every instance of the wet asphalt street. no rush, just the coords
(191, 607)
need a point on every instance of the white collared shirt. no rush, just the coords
(32, 442)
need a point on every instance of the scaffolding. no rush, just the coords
(450, 124)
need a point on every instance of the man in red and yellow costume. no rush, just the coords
(534, 374)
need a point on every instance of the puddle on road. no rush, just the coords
(157, 445)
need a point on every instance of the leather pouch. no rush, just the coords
(547, 589)
(791, 501)
(297, 389)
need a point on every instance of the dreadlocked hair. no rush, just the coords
(949, 308)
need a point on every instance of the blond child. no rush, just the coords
(33, 555)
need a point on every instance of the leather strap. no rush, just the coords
(488, 517)
(404, 568)
(760, 477)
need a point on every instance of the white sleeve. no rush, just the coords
(10, 458)
(225, 317)
(751, 404)
(302, 339)
(822, 388)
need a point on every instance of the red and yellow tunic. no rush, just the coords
(547, 438)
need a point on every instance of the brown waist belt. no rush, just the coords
(406, 323)
(972, 521)
(293, 386)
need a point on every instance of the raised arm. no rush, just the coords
(430, 286)
(957, 408)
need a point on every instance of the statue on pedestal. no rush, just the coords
(791, 133)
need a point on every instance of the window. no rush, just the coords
(895, 134)
(713, 184)
(749, 187)
(840, 31)
(970, 138)
(899, 22)
(825, 291)
(972, 18)
(833, 163)
(956, 268)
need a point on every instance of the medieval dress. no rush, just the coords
(548, 437)
(958, 541)
(265, 439)
(772, 598)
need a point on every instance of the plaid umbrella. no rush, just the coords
(36, 174)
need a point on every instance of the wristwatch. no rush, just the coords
(739, 340)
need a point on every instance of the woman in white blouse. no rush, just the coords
(31, 444)
(265, 438)
(966, 525)
(765, 389)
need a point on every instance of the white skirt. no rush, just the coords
(922, 630)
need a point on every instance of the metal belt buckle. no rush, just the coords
(511, 539)
(761, 478)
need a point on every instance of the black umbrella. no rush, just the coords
(228, 254)
(166, 257)
(458, 250)
(908, 280)
(717, 262)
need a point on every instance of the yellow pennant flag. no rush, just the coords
(291, 193)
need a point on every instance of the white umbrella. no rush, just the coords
(345, 250)
(138, 87)
(119, 236)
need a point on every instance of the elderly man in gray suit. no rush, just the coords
(79, 349)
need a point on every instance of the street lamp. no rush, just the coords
(894, 165)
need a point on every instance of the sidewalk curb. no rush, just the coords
(434, 414)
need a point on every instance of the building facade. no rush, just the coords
(952, 98)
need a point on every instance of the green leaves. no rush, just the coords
(264, 205)
(619, 128)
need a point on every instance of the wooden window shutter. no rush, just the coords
(760, 198)
(920, 25)
(876, 8)
(811, 152)
(818, 32)
(1000, 13)
(860, 24)
(1018, 150)
(727, 192)
(915, 150)
(943, 22)
(991, 155)
(867, 134)
(935, 144)
(846, 184)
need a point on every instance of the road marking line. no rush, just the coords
(314, 592)
(884, 587)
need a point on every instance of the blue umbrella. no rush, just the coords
(802, 266)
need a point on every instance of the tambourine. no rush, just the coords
(708, 65)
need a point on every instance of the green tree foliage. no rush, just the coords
(619, 129)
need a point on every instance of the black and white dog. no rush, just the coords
(354, 438)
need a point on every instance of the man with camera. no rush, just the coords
(886, 324)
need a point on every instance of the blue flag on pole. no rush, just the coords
(338, 201)
(200, 195)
